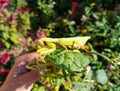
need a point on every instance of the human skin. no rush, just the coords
(20, 78)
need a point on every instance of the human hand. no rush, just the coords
(20, 78)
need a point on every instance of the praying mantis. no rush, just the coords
(48, 45)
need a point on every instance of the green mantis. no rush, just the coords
(48, 45)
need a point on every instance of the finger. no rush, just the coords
(28, 57)
(30, 77)
(25, 81)
(19, 67)
(23, 60)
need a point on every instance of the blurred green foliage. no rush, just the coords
(14, 23)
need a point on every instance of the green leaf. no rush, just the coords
(90, 75)
(71, 23)
(5, 35)
(21, 3)
(41, 88)
(80, 59)
(14, 37)
(6, 43)
(79, 86)
(69, 60)
(60, 59)
(102, 77)
(2, 27)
